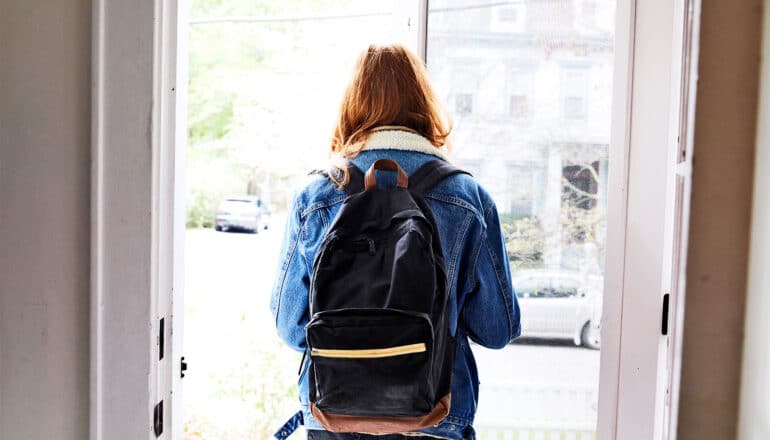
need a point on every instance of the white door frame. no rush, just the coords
(137, 155)
(135, 230)
(654, 59)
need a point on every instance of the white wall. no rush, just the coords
(44, 218)
(754, 421)
(720, 218)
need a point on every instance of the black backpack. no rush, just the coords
(381, 351)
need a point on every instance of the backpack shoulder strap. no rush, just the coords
(356, 182)
(431, 173)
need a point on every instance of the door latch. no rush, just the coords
(157, 419)
(182, 366)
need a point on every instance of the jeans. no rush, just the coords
(314, 434)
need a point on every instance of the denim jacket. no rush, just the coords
(482, 304)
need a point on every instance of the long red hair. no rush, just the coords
(389, 87)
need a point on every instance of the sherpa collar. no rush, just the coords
(401, 138)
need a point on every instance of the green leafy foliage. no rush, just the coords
(251, 128)
(211, 117)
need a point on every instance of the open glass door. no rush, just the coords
(530, 85)
(532, 88)
(265, 80)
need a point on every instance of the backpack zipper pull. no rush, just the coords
(371, 247)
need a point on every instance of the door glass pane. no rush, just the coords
(265, 80)
(529, 87)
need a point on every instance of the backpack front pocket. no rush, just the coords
(371, 362)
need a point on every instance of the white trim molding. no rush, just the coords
(132, 204)
(617, 206)
(649, 74)
(96, 383)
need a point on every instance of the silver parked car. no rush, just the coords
(246, 213)
(559, 304)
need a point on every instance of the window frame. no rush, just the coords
(137, 223)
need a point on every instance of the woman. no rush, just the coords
(389, 110)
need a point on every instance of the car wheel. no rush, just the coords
(218, 228)
(591, 336)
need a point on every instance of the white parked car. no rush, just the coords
(246, 213)
(559, 304)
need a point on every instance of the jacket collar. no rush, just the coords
(393, 137)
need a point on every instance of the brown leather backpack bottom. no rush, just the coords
(382, 425)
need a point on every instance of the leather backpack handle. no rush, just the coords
(370, 180)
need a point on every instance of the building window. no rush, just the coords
(581, 221)
(520, 87)
(463, 103)
(589, 12)
(507, 14)
(581, 185)
(519, 106)
(520, 190)
(574, 107)
(574, 91)
(511, 19)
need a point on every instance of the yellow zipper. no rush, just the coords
(368, 353)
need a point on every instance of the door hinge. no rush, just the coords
(157, 419)
(161, 338)
(664, 323)
(182, 366)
